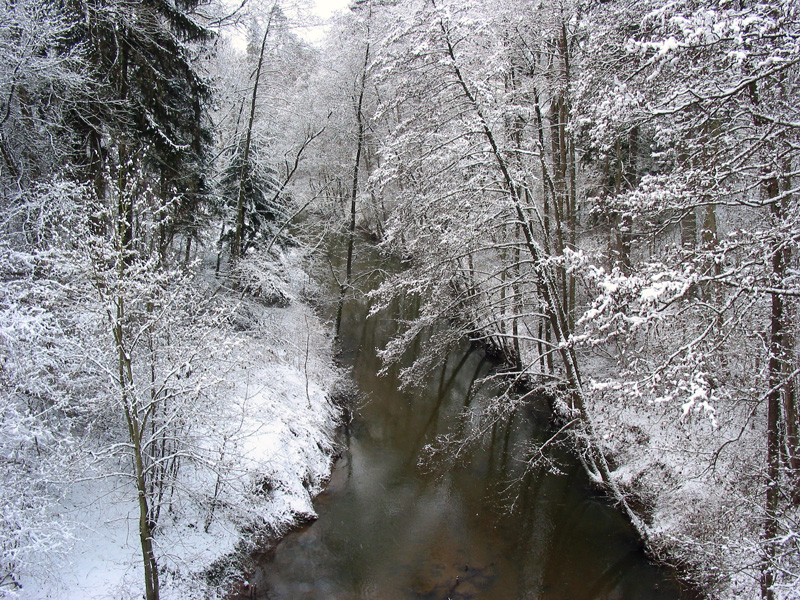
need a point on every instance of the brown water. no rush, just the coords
(388, 530)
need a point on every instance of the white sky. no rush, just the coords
(321, 8)
(324, 9)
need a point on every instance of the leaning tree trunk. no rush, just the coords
(550, 292)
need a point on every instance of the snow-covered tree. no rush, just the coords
(262, 138)
(474, 180)
(607, 199)
(48, 383)
(705, 313)
(147, 105)
(42, 76)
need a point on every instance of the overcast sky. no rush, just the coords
(323, 8)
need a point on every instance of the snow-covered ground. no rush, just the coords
(272, 431)
(690, 488)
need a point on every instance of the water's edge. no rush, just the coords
(367, 541)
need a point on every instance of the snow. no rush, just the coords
(104, 558)
(277, 423)
(661, 450)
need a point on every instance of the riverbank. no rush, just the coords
(272, 434)
(689, 479)
(679, 476)
(475, 525)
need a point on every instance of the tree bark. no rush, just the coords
(354, 186)
(236, 247)
(135, 430)
(775, 378)
(781, 412)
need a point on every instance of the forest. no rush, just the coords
(603, 194)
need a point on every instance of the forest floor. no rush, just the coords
(278, 387)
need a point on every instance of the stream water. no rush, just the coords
(389, 530)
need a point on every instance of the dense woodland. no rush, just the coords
(603, 193)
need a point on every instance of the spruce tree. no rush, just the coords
(147, 105)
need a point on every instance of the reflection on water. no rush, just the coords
(389, 531)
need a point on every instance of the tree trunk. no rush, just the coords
(689, 229)
(549, 292)
(625, 222)
(773, 443)
(135, 429)
(777, 389)
(354, 188)
(237, 244)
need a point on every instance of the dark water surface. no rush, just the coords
(486, 529)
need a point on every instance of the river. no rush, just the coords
(485, 529)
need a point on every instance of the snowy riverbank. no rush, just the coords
(272, 436)
(690, 486)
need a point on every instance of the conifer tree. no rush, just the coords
(147, 103)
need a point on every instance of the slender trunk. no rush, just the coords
(773, 446)
(548, 193)
(560, 196)
(124, 206)
(548, 290)
(625, 178)
(135, 431)
(219, 249)
(540, 347)
(559, 179)
(97, 167)
(515, 128)
(125, 211)
(145, 525)
(377, 206)
(570, 173)
(708, 237)
(548, 188)
(776, 382)
(791, 418)
(354, 188)
(237, 246)
(217, 486)
(517, 294)
(503, 310)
